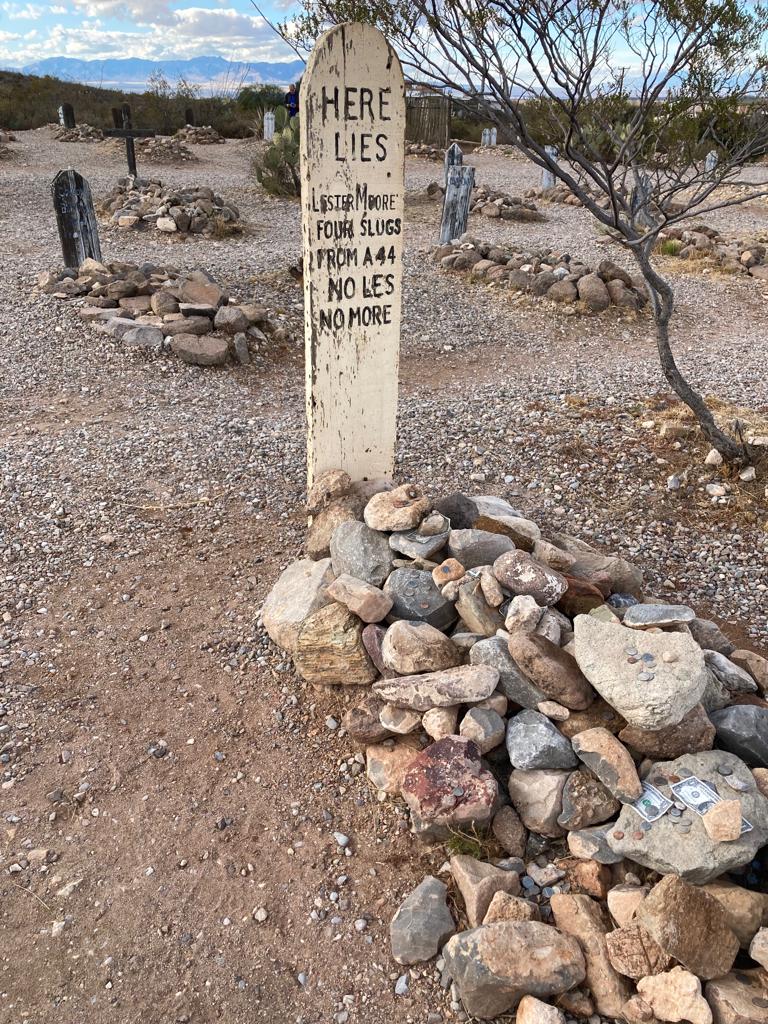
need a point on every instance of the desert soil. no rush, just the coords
(146, 508)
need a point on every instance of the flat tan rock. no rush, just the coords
(402, 508)
(301, 590)
(504, 907)
(466, 684)
(533, 1011)
(584, 919)
(329, 649)
(744, 909)
(635, 954)
(478, 883)
(723, 821)
(440, 722)
(648, 694)
(611, 762)
(623, 900)
(537, 796)
(689, 925)
(415, 647)
(387, 763)
(739, 998)
(366, 601)
(675, 996)
(333, 483)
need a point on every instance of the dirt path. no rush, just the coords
(145, 510)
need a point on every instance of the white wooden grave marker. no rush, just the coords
(547, 176)
(493, 136)
(352, 128)
(710, 163)
(485, 138)
(269, 125)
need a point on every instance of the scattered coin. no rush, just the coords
(759, 1001)
(738, 784)
(637, 835)
(646, 826)
(679, 805)
(645, 677)
(675, 812)
(618, 835)
(724, 769)
(673, 778)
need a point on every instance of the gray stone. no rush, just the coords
(466, 684)
(240, 346)
(495, 965)
(643, 616)
(119, 326)
(708, 635)
(149, 338)
(512, 682)
(668, 690)
(485, 727)
(416, 597)
(358, 551)
(477, 547)
(460, 510)
(728, 675)
(231, 320)
(200, 351)
(413, 544)
(592, 844)
(422, 923)
(693, 855)
(743, 730)
(188, 325)
(534, 742)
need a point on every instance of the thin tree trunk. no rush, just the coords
(663, 300)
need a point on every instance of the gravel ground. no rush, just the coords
(145, 509)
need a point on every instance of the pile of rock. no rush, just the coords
(493, 203)
(161, 149)
(424, 150)
(80, 133)
(737, 256)
(547, 273)
(158, 309)
(141, 203)
(526, 688)
(502, 149)
(200, 135)
(557, 194)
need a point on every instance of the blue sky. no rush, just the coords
(153, 29)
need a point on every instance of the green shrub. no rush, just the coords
(277, 169)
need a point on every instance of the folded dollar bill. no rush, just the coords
(651, 804)
(700, 797)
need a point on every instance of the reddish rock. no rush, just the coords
(580, 597)
(446, 788)
(586, 876)
(599, 714)
(551, 669)
(694, 733)
(635, 954)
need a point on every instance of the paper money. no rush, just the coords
(651, 804)
(700, 797)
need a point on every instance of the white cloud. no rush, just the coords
(142, 12)
(29, 12)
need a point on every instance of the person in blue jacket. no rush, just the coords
(292, 101)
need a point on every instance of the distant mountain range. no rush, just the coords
(131, 73)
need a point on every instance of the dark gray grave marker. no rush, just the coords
(453, 158)
(189, 116)
(75, 218)
(458, 194)
(67, 116)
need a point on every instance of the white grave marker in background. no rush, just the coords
(352, 111)
(269, 125)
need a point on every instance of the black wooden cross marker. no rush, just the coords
(129, 133)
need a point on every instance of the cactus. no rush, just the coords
(278, 168)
